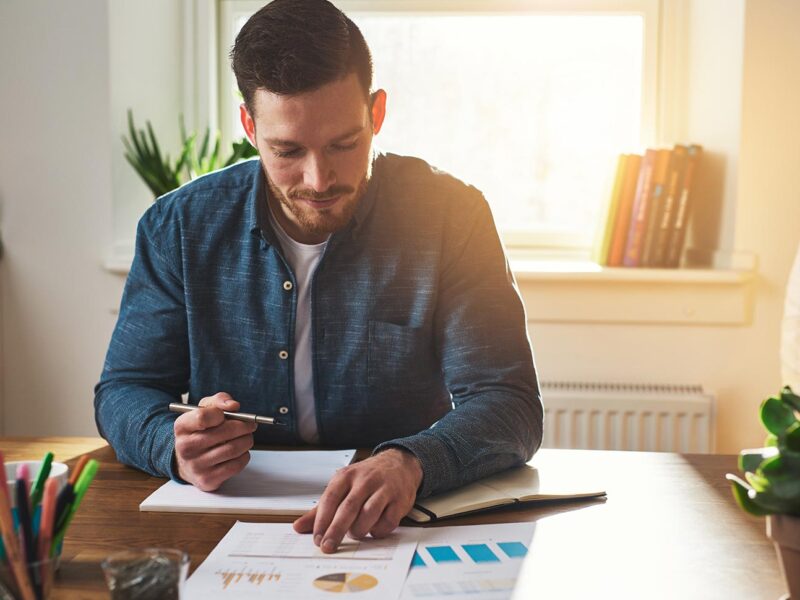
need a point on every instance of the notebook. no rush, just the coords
(272, 483)
(521, 484)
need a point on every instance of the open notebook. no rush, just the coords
(521, 484)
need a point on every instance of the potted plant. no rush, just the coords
(771, 484)
(159, 172)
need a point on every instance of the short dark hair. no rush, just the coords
(294, 46)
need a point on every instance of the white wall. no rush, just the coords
(768, 206)
(66, 193)
(714, 113)
(55, 187)
(59, 161)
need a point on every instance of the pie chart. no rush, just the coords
(345, 583)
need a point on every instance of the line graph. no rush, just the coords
(248, 577)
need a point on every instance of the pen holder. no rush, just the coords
(145, 574)
(58, 471)
(39, 585)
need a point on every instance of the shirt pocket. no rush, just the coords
(400, 359)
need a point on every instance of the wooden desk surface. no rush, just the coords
(63, 448)
(669, 529)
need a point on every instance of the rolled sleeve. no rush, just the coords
(147, 364)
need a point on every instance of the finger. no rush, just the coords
(191, 445)
(370, 513)
(210, 479)
(337, 490)
(389, 521)
(221, 400)
(305, 524)
(198, 420)
(229, 450)
(227, 431)
(348, 511)
(209, 415)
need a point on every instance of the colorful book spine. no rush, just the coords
(636, 229)
(623, 216)
(663, 158)
(677, 237)
(667, 216)
(604, 240)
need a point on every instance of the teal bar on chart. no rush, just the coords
(513, 549)
(443, 554)
(480, 553)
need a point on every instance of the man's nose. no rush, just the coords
(319, 174)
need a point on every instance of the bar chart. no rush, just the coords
(486, 552)
(479, 562)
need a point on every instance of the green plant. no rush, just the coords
(772, 474)
(159, 172)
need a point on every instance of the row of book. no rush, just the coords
(649, 208)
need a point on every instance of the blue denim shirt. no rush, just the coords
(418, 332)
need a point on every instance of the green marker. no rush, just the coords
(41, 477)
(81, 486)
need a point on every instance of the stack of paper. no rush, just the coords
(272, 483)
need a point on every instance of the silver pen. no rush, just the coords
(179, 407)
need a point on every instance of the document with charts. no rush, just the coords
(472, 562)
(270, 560)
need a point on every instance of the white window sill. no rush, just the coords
(583, 292)
(119, 258)
(561, 290)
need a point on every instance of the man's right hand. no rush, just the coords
(210, 449)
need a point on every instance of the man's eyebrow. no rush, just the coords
(339, 138)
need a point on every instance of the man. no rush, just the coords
(356, 296)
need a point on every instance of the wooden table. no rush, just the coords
(669, 529)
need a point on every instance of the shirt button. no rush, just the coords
(283, 354)
(287, 285)
(283, 410)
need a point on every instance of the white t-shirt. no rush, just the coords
(303, 259)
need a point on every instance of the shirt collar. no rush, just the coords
(258, 218)
(368, 201)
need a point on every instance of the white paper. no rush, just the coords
(270, 560)
(472, 562)
(273, 482)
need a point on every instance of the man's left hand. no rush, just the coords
(370, 496)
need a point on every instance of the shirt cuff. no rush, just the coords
(439, 467)
(163, 453)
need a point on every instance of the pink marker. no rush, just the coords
(24, 473)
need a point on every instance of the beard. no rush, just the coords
(316, 222)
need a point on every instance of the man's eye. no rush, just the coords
(287, 153)
(345, 147)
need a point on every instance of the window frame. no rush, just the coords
(655, 120)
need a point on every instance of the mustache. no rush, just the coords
(332, 192)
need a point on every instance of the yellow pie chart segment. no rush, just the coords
(345, 583)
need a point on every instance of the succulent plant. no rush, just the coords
(771, 483)
(160, 174)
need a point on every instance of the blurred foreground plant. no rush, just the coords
(772, 473)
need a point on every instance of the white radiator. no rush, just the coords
(623, 416)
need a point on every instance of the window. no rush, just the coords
(530, 106)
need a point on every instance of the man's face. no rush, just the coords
(315, 150)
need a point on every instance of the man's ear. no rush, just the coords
(248, 124)
(378, 109)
